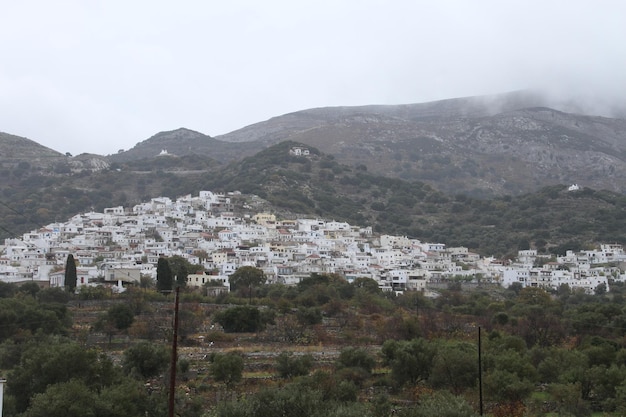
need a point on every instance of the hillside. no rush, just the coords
(507, 144)
(489, 173)
(179, 142)
(470, 152)
(511, 143)
(550, 219)
(319, 185)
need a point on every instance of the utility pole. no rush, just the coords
(174, 358)
(480, 374)
(2, 382)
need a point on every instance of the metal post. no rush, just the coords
(174, 358)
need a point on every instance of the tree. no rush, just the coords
(7, 290)
(145, 281)
(568, 400)
(181, 268)
(309, 316)
(49, 363)
(126, 398)
(367, 284)
(454, 367)
(293, 400)
(240, 319)
(30, 288)
(505, 386)
(66, 399)
(227, 367)
(164, 275)
(441, 404)
(53, 295)
(247, 277)
(288, 365)
(27, 315)
(121, 315)
(146, 359)
(410, 361)
(355, 358)
(189, 321)
(70, 273)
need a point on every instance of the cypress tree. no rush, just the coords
(70, 273)
(164, 275)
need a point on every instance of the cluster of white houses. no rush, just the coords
(120, 246)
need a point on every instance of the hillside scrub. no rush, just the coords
(371, 352)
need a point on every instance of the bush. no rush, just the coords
(441, 404)
(121, 316)
(289, 366)
(227, 367)
(146, 359)
(311, 315)
(240, 319)
(355, 358)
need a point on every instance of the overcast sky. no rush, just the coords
(99, 76)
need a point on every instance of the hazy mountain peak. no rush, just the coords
(12, 146)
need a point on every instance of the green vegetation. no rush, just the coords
(70, 273)
(551, 220)
(288, 365)
(560, 353)
(325, 346)
(227, 368)
(165, 279)
(145, 359)
(245, 278)
(240, 319)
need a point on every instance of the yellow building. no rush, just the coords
(264, 219)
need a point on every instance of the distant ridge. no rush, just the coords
(17, 147)
(484, 146)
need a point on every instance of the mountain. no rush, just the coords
(18, 149)
(483, 146)
(179, 142)
(490, 173)
(315, 184)
(511, 143)
(21, 157)
(551, 219)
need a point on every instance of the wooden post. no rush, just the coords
(480, 374)
(174, 358)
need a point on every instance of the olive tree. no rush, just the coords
(227, 367)
(245, 278)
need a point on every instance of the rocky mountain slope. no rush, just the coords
(467, 146)
(179, 142)
(317, 185)
(480, 146)
(456, 147)
(395, 167)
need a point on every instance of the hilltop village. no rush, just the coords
(120, 247)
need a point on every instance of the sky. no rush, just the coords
(96, 76)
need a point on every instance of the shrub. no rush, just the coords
(289, 366)
(227, 367)
(145, 358)
(240, 319)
